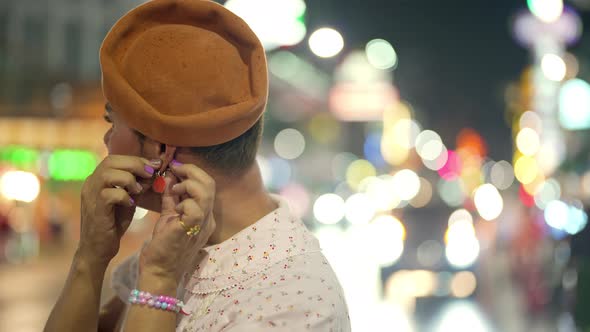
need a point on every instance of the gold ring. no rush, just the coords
(192, 231)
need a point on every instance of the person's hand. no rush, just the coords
(190, 201)
(108, 205)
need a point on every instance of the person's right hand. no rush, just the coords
(107, 204)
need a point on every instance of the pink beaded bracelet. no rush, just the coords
(157, 301)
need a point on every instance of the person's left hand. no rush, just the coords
(190, 201)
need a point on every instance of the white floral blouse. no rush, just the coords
(270, 276)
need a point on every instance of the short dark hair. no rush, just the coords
(233, 157)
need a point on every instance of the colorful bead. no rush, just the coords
(164, 305)
(151, 302)
(158, 304)
(135, 292)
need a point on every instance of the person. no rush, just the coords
(186, 86)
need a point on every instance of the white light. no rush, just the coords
(460, 215)
(382, 192)
(289, 143)
(549, 191)
(407, 184)
(556, 214)
(329, 209)
(388, 234)
(276, 22)
(488, 201)
(429, 145)
(574, 104)
(359, 209)
(553, 67)
(381, 54)
(326, 42)
(463, 252)
(405, 132)
(502, 175)
(546, 10)
(461, 317)
(429, 253)
(20, 186)
(528, 141)
(531, 120)
(577, 220)
(452, 192)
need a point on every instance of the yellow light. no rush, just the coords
(358, 171)
(392, 152)
(324, 128)
(388, 234)
(553, 67)
(526, 169)
(382, 191)
(407, 184)
(528, 141)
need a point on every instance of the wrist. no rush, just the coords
(157, 283)
(85, 259)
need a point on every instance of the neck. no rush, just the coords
(240, 201)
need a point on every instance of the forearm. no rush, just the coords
(78, 305)
(147, 319)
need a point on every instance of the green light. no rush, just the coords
(20, 157)
(71, 165)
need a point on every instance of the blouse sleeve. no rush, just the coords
(124, 277)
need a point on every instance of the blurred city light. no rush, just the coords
(388, 234)
(526, 169)
(71, 165)
(19, 186)
(372, 150)
(553, 67)
(452, 168)
(276, 22)
(407, 183)
(329, 209)
(383, 192)
(462, 253)
(341, 163)
(460, 215)
(424, 195)
(556, 214)
(381, 54)
(461, 317)
(392, 150)
(549, 191)
(405, 132)
(359, 209)
(429, 253)
(429, 145)
(488, 201)
(528, 141)
(452, 192)
(359, 170)
(574, 105)
(502, 175)
(463, 284)
(326, 42)
(530, 119)
(289, 143)
(546, 10)
(298, 197)
(19, 156)
(324, 128)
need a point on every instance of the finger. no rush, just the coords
(194, 190)
(190, 171)
(116, 196)
(191, 213)
(135, 165)
(169, 199)
(115, 177)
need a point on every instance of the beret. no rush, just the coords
(184, 72)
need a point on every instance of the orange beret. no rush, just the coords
(185, 72)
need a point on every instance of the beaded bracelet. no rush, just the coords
(157, 301)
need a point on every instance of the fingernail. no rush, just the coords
(132, 201)
(139, 187)
(156, 162)
(174, 187)
(149, 169)
(175, 163)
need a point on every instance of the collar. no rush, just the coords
(272, 239)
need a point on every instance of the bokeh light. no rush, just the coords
(324, 128)
(298, 197)
(408, 184)
(429, 253)
(463, 284)
(574, 105)
(429, 145)
(329, 209)
(372, 150)
(289, 143)
(405, 132)
(462, 252)
(452, 192)
(530, 119)
(424, 196)
(383, 192)
(20, 186)
(388, 234)
(549, 191)
(340, 164)
(553, 67)
(526, 169)
(528, 141)
(326, 42)
(359, 208)
(546, 10)
(556, 213)
(459, 216)
(381, 54)
(359, 170)
(452, 168)
(488, 201)
(502, 175)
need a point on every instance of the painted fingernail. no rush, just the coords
(132, 201)
(175, 163)
(156, 162)
(149, 169)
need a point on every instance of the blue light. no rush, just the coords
(372, 150)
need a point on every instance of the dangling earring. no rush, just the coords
(159, 184)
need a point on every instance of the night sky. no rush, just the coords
(455, 57)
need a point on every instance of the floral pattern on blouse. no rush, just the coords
(270, 276)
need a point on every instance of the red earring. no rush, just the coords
(159, 184)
